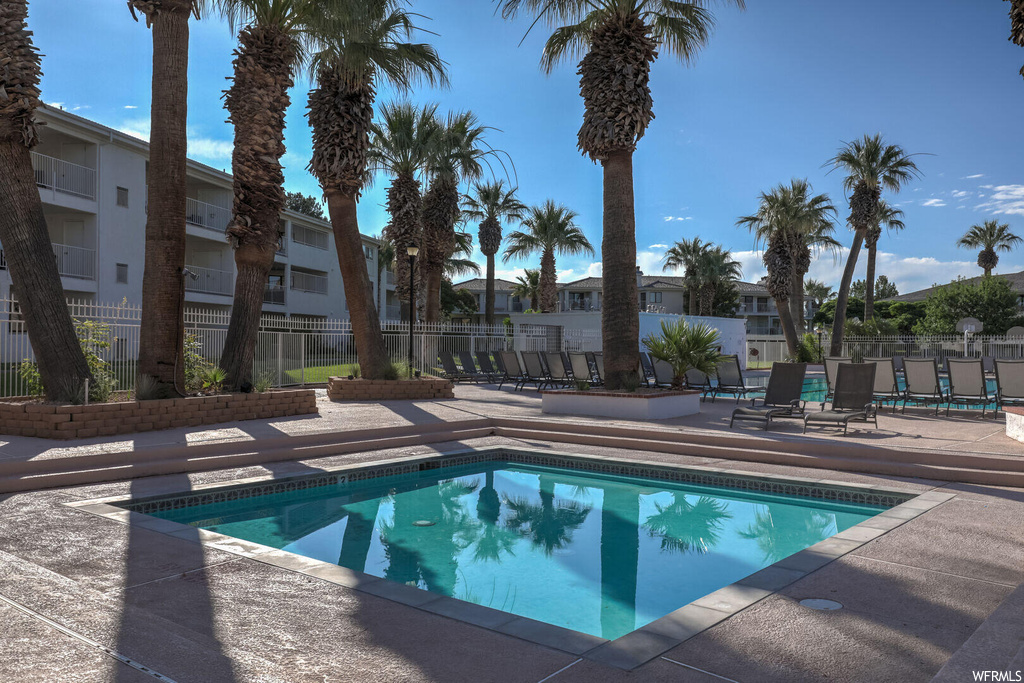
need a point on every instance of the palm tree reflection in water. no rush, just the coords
(549, 525)
(686, 527)
(781, 530)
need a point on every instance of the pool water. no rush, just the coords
(595, 553)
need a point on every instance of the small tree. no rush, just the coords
(991, 300)
(685, 347)
(304, 204)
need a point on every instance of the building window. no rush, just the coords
(309, 237)
(654, 297)
(122, 196)
(122, 273)
(14, 314)
(368, 250)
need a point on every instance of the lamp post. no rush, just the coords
(821, 349)
(412, 252)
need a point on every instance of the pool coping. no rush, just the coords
(626, 652)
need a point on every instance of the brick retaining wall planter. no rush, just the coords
(640, 405)
(54, 421)
(424, 388)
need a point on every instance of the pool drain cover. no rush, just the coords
(820, 604)
(423, 522)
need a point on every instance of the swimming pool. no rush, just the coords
(595, 552)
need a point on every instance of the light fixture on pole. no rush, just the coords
(412, 252)
(821, 349)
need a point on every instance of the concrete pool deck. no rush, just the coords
(72, 581)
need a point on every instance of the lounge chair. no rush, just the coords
(469, 367)
(580, 367)
(989, 363)
(695, 380)
(451, 370)
(664, 373)
(897, 360)
(1009, 383)
(557, 371)
(730, 380)
(648, 369)
(855, 384)
(782, 397)
(534, 371)
(887, 386)
(967, 385)
(922, 383)
(831, 363)
(513, 372)
(599, 367)
(483, 359)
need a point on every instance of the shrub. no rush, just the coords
(582, 385)
(149, 388)
(685, 347)
(630, 383)
(94, 338)
(263, 382)
(808, 351)
(213, 379)
(29, 373)
(195, 364)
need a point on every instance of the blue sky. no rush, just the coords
(778, 88)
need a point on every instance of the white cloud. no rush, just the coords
(210, 149)
(130, 106)
(137, 128)
(960, 193)
(1005, 199)
(669, 219)
(972, 177)
(933, 202)
(658, 246)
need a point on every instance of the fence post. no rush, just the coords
(302, 358)
(280, 359)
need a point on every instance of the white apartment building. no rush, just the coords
(92, 181)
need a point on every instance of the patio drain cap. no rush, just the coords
(423, 522)
(821, 604)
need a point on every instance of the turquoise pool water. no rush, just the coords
(594, 553)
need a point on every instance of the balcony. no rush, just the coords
(389, 279)
(273, 294)
(75, 261)
(210, 281)
(205, 215)
(393, 312)
(63, 176)
(309, 283)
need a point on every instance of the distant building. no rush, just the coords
(504, 301)
(1016, 281)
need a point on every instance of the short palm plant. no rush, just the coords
(818, 291)
(685, 347)
(990, 237)
(550, 228)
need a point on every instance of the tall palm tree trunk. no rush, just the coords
(489, 292)
(257, 101)
(692, 308)
(23, 232)
(548, 286)
(620, 316)
(869, 284)
(373, 357)
(404, 230)
(796, 302)
(843, 297)
(440, 211)
(787, 324)
(162, 329)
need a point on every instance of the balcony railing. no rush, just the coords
(308, 282)
(63, 176)
(389, 278)
(393, 312)
(206, 215)
(273, 294)
(210, 281)
(75, 261)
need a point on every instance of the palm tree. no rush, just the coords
(400, 145)
(455, 156)
(818, 291)
(892, 218)
(871, 166)
(618, 41)
(990, 237)
(550, 229)
(686, 527)
(271, 45)
(62, 365)
(359, 49)
(527, 288)
(685, 347)
(551, 524)
(162, 327)
(789, 223)
(458, 263)
(715, 268)
(491, 204)
(1017, 24)
(686, 254)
